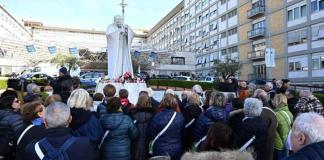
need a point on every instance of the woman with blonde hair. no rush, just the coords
(285, 120)
(215, 113)
(142, 115)
(84, 123)
(166, 128)
(190, 112)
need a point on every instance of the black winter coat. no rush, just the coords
(190, 113)
(155, 104)
(247, 129)
(57, 84)
(313, 151)
(34, 133)
(82, 148)
(11, 125)
(142, 118)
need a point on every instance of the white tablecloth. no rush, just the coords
(133, 89)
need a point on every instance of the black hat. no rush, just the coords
(63, 70)
(285, 80)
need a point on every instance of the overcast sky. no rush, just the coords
(89, 14)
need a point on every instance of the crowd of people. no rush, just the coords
(268, 123)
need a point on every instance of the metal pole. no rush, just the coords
(268, 69)
(123, 4)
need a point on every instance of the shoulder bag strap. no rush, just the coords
(287, 116)
(39, 152)
(68, 143)
(103, 138)
(200, 141)
(23, 133)
(190, 123)
(247, 144)
(165, 128)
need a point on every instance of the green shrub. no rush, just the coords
(3, 83)
(182, 84)
(320, 97)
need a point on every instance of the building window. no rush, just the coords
(258, 25)
(290, 15)
(297, 12)
(232, 50)
(295, 66)
(223, 52)
(259, 46)
(317, 5)
(318, 32)
(223, 2)
(223, 35)
(297, 37)
(315, 64)
(232, 13)
(303, 11)
(232, 31)
(223, 18)
(178, 60)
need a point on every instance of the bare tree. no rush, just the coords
(226, 68)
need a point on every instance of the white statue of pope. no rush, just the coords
(119, 40)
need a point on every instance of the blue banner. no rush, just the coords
(30, 48)
(137, 54)
(153, 56)
(73, 50)
(52, 49)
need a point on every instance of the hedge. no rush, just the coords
(3, 83)
(182, 84)
(320, 97)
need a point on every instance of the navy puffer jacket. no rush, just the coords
(117, 145)
(313, 151)
(170, 142)
(11, 125)
(86, 124)
(207, 119)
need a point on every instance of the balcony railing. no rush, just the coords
(256, 33)
(255, 76)
(256, 11)
(256, 55)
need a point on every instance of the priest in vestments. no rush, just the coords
(119, 40)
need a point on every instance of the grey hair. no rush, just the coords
(228, 155)
(30, 87)
(305, 93)
(252, 107)
(311, 124)
(80, 98)
(197, 89)
(269, 85)
(57, 115)
(252, 86)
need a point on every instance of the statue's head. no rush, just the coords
(119, 21)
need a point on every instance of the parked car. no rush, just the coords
(37, 78)
(183, 78)
(162, 76)
(258, 82)
(208, 79)
(92, 76)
